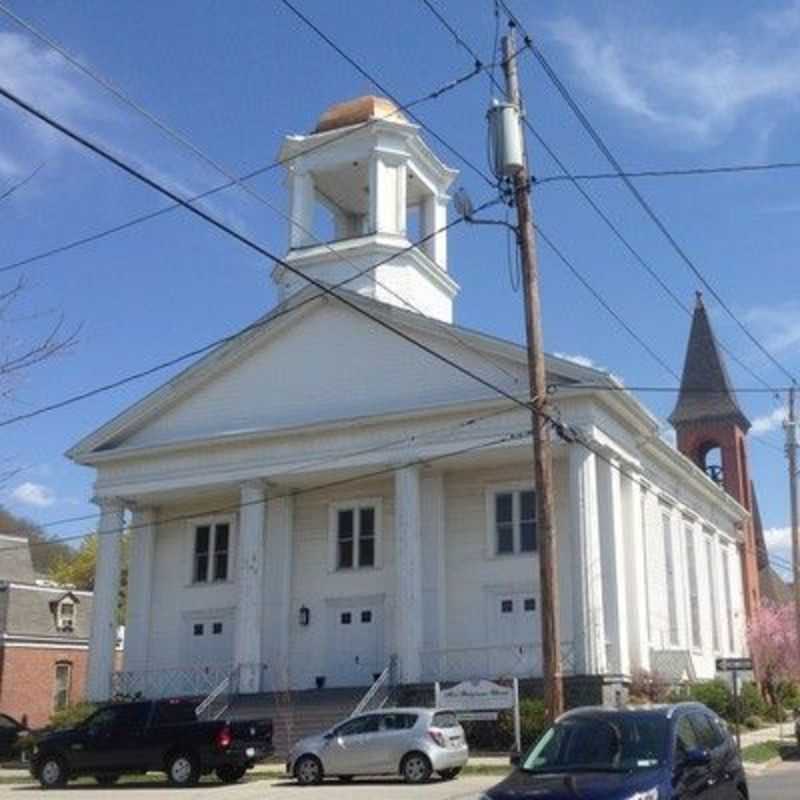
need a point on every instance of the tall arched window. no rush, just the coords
(709, 459)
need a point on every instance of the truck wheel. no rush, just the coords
(183, 770)
(308, 770)
(52, 773)
(416, 768)
(228, 773)
(106, 780)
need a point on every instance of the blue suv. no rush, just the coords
(675, 752)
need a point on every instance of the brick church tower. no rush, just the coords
(712, 430)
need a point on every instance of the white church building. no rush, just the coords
(318, 496)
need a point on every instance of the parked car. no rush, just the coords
(678, 752)
(159, 736)
(411, 742)
(10, 733)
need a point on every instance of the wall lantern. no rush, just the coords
(305, 616)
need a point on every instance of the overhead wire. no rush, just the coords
(640, 199)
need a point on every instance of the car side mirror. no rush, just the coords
(514, 759)
(697, 757)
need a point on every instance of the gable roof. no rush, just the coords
(706, 393)
(185, 387)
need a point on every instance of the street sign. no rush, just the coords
(734, 665)
(477, 716)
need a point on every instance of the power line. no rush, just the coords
(260, 323)
(645, 205)
(15, 187)
(350, 131)
(508, 437)
(673, 172)
(184, 141)
(371, 78)
(603, 216)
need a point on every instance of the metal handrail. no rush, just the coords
(223, 685)
(387, 676)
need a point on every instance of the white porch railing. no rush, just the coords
(523, 660)
(195, 681)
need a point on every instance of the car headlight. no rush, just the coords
(650, 794)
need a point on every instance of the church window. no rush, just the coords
(514, 522)
(712, 585)
(212, 552)
(694, 593)
(669, 562)
(355, 535)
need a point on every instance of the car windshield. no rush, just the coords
(607, 743)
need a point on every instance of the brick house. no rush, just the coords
(44, 638)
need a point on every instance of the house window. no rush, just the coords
(63, 685)
(712, 584)
(669, 562)
(694, 592)
(65, 615)
(514, 522)
(356, 535)
(212, 548)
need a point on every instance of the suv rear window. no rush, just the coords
(172, 713)
(445, 719)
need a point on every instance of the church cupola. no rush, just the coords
(711, 430)
(363, 186)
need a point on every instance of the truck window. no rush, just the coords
(174, 713)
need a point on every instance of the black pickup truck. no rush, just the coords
(150, 736)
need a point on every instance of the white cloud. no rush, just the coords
(779, 325)
(697, 83)
(33, 494)
(778, 538)
(769, 422)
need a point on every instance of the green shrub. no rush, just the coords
(70, 716)
(753, 723)
(532, 721)
(715, 694)
(751, 700)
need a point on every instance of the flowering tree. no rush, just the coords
(772, 636)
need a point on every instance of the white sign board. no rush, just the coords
(477, 696)
(477, 716)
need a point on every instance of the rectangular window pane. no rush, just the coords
(504, 507)
(345, 554)
(197, 629)
(202, 543)
(672, 606)
(527, 506)
(217, 628)
(367, 521)
(344, 536)
(366, 552)
(527, 537)
(694, 595)
(221, 543)
(507, 606)
(530, 604)
(505, 538)
(346, 618)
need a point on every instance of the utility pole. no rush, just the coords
(542, 459)
(791, 452)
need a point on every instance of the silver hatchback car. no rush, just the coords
(411, 742)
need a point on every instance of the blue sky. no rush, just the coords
(667, 85)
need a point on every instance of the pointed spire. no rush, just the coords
(706, 392)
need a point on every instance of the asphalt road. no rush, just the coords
(778, 783)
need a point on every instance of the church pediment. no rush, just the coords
(319, 363)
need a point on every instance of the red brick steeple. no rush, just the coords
(708, 421)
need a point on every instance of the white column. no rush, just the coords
(301, 208)
(141, 553)
(613, 566)
(434, 577)
(250, 584)
(103, 638)
(408, 566)
(634, 555)
(434, 217)
(401, 193)
(588, 625)
(385, 195)
(277, 591)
